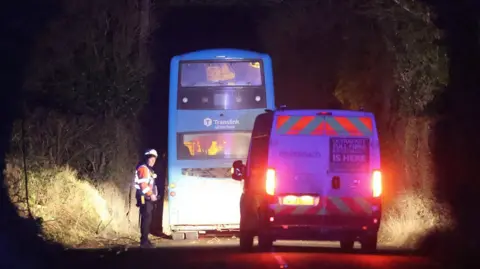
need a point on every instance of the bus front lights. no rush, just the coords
(258, 98)
(185, 100)
(270, 182)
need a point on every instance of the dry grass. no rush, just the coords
(411, 217)
(74, 211)
(414, 212)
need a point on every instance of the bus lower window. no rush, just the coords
(213, 145)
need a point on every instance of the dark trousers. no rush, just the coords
(146, 211)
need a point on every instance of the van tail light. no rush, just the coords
(377, 183)
(270, 182)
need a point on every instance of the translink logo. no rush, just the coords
(207, 122)
(226, 122)
(221, 124)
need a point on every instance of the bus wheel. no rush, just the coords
(246, 241)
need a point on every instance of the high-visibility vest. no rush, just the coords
(144, 180)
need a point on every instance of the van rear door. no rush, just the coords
(298, 154)
(328, 156)
(353, 155)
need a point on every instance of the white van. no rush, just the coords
(311, 175)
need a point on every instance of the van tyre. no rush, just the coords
(265, 242)
(369, 243)
(347, 245)
(246, 241)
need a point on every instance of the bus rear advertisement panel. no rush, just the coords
(218, 121)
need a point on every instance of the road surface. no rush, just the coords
(223, 254)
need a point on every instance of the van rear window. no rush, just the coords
(349, 154)
(324, 125)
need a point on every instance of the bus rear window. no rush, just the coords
(324, 125)
(213, 145)
(221, 73)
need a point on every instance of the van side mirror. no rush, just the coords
(238, 169)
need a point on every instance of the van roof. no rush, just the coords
(334, 112)
(338, 122)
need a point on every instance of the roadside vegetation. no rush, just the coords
(385, 58)
(412, 216)
(74, 211)
(81, 145)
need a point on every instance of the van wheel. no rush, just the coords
(347, 245)
(246, 241)
(369, 243)
(265, 242)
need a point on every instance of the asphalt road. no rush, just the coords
(223, 254)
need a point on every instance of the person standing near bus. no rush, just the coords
(146, 194)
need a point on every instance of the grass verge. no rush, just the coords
(74, 211)
(410, 218)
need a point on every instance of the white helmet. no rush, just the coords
(151, 152)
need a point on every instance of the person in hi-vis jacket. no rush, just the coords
(146, 194)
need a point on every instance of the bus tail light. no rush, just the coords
(270, 182)
(377, 183)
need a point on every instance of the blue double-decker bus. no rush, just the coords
(215, 96)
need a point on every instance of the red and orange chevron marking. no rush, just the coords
(324, 125)
(330, 206)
